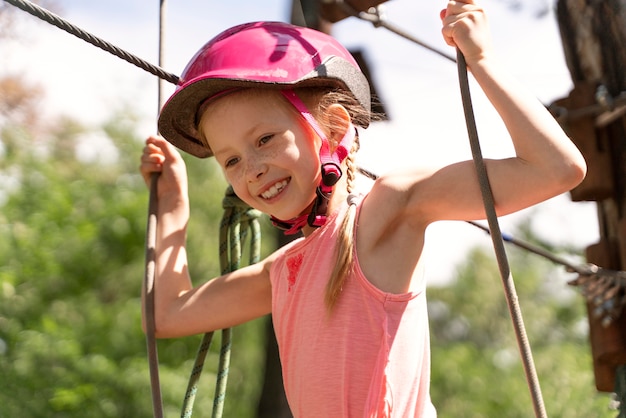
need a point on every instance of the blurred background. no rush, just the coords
(73, 214)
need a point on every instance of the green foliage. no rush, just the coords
(477, 369)
(72, 262)
(72, 237)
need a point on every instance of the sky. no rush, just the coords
(420, 89)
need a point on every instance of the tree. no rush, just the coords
(71, 264)
(477, 371)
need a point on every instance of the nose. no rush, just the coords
(255, 169)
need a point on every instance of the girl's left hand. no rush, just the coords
(465, 27)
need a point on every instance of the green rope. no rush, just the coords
(238, 222)
(196, 371)
(222, 373)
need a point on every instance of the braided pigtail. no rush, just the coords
(345, 253)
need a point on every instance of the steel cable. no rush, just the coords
(63, 24)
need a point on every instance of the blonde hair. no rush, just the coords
(345, 251)
(345, 254)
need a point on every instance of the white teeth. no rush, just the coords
(274, 190)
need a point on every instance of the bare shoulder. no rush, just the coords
(268, 261)
(390, 234)
(392, 196)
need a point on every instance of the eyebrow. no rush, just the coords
(219, 152)
(248, 133)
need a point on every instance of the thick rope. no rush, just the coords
(148, 289)
(238, 221)
(60, 23)
(150, 271)
(194, 378)
(498, 243)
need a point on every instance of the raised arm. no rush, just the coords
(546, 162)
(181, 309)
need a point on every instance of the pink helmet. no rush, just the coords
(260, 54)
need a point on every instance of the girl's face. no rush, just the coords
(268, 153)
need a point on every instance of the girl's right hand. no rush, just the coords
(159, 156)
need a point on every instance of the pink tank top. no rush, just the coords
(370, 357)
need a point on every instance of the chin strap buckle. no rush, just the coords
(331, 173)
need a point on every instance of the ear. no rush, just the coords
(338, 123)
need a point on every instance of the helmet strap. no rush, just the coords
(330, 163)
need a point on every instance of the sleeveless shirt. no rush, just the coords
(368, 357)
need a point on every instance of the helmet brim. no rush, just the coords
(178, 118)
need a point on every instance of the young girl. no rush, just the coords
(277, 106)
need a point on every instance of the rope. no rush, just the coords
(194, 378)
(238, 222)
(498, 243)
(606, 110)
(378, 19)
(60, 23)
(149, 279)
(539, 251)
(605, 289)
(148, 289)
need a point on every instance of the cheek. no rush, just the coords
(242, 193)
(311, 163)
(233, 178)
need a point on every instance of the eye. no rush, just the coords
(231, 162)
(265, 139)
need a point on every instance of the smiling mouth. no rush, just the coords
(275, 189)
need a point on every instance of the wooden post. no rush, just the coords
(594, 38)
